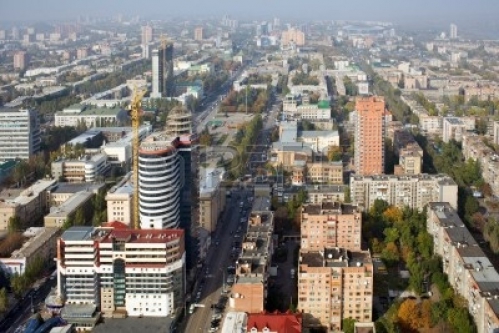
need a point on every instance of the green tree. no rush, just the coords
(79, 217)
(15, 224)
(18, 283)
(4, 300)
(460, 320)
(348, 325)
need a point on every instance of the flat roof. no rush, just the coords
(34, 243)
(261, 204)
(75, 201)
(234, 322)
(134, 325)
(26, 195)
(77, 234)
(75, 187)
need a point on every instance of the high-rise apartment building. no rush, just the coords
(335, 284)
(179, 125)
(330, 224)
(163, 84)
(292, 37)
(160, 180)
(122, 271)
(453, 31)
(19, 134)
(198, 33)
(147, 35)
(20, 60)
(369, 144)
(414, 191)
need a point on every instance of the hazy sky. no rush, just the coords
(457, 11)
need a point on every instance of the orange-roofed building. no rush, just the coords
(274, 322)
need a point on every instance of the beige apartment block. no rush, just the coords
(413, 191)
(58, 215)
(292, 37)
(28, 204)
(41, 244)
(334, 284)
(120, 204)
(325, 173)
(330, 224)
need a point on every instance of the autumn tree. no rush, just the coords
(15, 224)
(393, 214)
(18, 283)
(390, 254)
(408, 316)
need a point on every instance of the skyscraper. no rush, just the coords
(179, 125)
(19, 134)
(160, 181)
(163, 81)
(198, 33)
(453, 31)
(369, 144)
(147, 33)
(20, 60)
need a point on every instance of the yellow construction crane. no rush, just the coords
(135, 110)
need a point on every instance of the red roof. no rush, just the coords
(115, 225)
(275, 322)
(124, 232)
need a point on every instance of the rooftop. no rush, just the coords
(315, 134)
(134, 325)
(22, 197)
(234, 322)
(261, 204)
(63, 187)
(335, 257)
(34, 243)
(328, 207)
(70, 205)
(276, 322)
(121, 232)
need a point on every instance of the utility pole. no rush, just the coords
(246, 99)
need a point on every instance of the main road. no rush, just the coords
(216, 263)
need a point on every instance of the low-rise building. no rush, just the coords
(85, 169)
(469, 270)
(455, 127)
(330, 224)
(320, 141)
(249, 291)
(335, 284)
(90, 115)
(274, 322)
(414, 191)
(119, 201)
(61, 192)
(29, 204)
(39, 246)
(60, 214)
(211, 198)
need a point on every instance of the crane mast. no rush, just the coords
(135, 110)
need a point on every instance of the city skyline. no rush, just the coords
(422, 11)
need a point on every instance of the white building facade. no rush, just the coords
(117, 269)
(19, 134)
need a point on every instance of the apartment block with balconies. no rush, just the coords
(469, 270)
(414, 191)
(330, 224)
(334, 284)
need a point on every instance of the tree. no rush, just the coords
(390, 254)
(18, 283)
(393, 214)
(15, 224)
(79, 217)
(348, 325)
(4, 300)
(459, 319)
(334, 154)
(408, 316)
